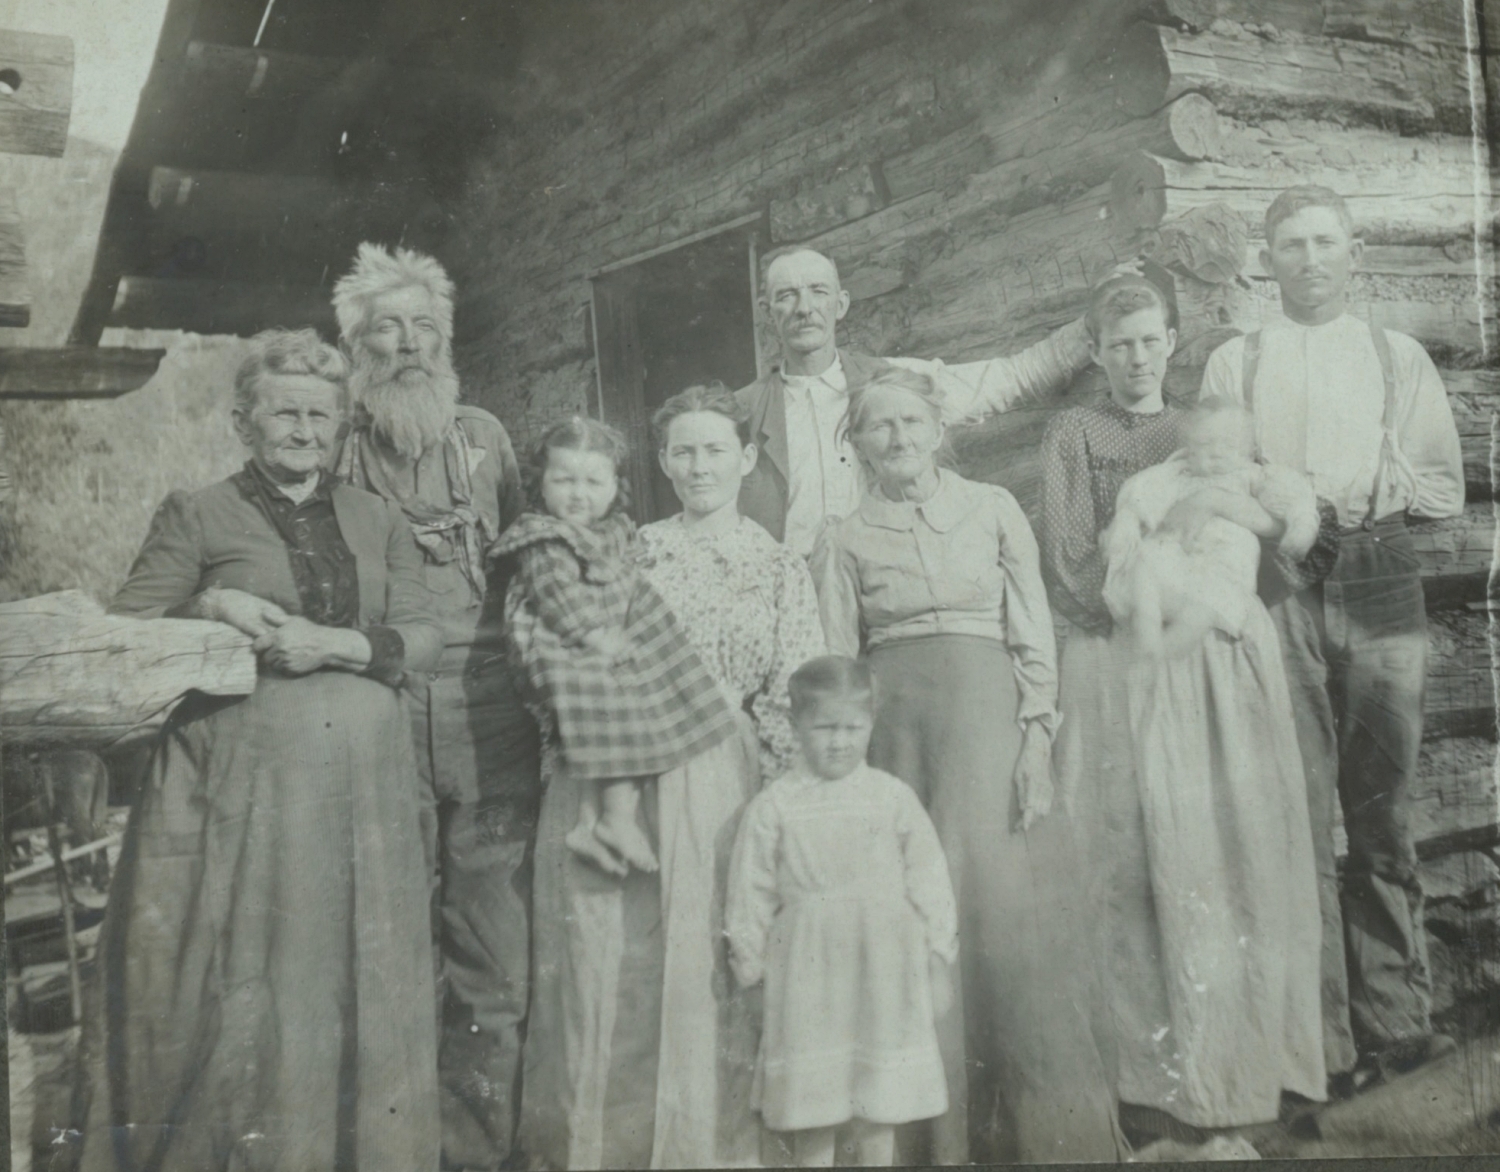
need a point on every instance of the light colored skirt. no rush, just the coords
(1025, 1078)
(1188, 780)
(640, 1050)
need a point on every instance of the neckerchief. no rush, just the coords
(459, 533)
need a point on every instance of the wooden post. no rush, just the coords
(36, 93)
(75, 372)
(64, 883)
(15, 292)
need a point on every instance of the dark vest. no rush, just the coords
(763, 494)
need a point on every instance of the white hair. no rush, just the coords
(377, 270)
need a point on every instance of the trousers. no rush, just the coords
(479, 763)
(1355, 649)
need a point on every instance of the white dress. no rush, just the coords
(838, 896)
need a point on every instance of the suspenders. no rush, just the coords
(1382, 345)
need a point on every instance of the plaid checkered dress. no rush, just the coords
(647, 710)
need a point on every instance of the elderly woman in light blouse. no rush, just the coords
(938, 580)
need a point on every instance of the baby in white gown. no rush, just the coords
(1170, 586)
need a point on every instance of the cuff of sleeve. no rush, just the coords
(387, 655)
(190, 607)
(1049, 718)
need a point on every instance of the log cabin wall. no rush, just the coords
(973, 165)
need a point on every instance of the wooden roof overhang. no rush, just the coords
(271, 139)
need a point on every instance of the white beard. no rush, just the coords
(410, 409)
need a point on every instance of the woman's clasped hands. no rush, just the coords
(285, 642)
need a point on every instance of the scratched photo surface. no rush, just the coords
(704, 583)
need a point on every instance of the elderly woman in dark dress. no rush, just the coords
(937, 579)
(266, 969)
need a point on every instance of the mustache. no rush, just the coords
(410, 413)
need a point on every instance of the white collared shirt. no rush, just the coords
(823, 475)
(1319, 400)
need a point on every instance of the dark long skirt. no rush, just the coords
(266, 968)
(1024, 1073)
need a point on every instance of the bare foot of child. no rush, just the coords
(582, 840)
(628, 840)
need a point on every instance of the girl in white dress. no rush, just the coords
(840, 900)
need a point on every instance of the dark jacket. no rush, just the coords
(763, 494)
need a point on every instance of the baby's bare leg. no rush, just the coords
(619, 828)
(582, 840)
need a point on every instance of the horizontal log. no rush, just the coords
(1080, 141)
(219, 307)
(1398, 22)
(1427, 200)
(15, 286)
(1300, 16)
(290, 228)
(74, 679)
(1472, 838)
(850, 196)
(75, 372)
(1414, 88)
(36, 92)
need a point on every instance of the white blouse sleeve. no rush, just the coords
(928, 884)
(752, 901)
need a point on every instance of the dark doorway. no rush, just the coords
(664, 323)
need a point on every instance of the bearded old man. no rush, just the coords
(451, 469)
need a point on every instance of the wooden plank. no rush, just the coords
(36, 92)
(1355, 82)
(73, 677)
(219, 307)
(15, 289)
(75, 372)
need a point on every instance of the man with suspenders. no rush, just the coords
(1363, 412)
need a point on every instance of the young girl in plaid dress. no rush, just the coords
(610, 670)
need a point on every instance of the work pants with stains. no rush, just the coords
(1355, 648)
(478, 755)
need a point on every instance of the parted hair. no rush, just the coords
(578, 434)
(899, 379)
(289, 352)
(378, 270)
(1308, 195)
(1120, 297)
(831, 676)
(715, 397)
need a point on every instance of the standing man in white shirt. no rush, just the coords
(1363, 412)
(807, 471)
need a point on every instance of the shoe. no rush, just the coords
(1409, 1054)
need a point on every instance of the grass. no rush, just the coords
(87, 475)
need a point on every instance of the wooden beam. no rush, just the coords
(1426, 198)
(15, 290)
(1397, 22)
(286, 228)
(1416, 88)
(219, 307)
(36, 92)
(1473, 838)
(73, 677)
(1303, 16)
(75, 372)
(261, 73)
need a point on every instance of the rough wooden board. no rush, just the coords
(218, 307)
(89, 681)
(74, 371)
(34, 118)
(850, 196)
(15, 289)
(1398, 22)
